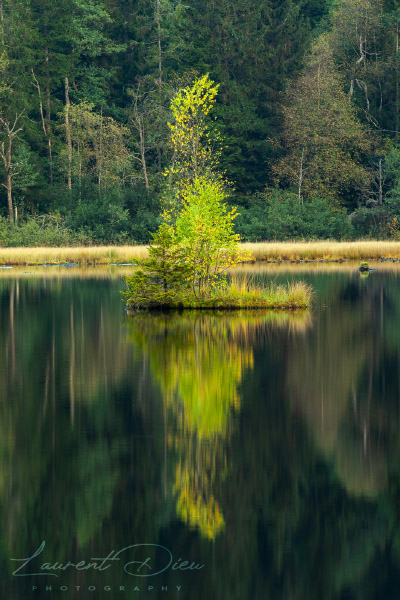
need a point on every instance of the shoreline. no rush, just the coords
(170, 308)
(263, 252)
(286, 269)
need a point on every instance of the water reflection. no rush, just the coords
(331, 384)
(265, 446)
(199, 361)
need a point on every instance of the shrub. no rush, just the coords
(379, 221)
(44, 231)
(278, 215)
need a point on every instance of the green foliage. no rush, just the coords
(103, 218)
(379, 217)
(26, 176)
(252, 49)
(278, 215)
(98, 146)
(46, 230)
(145, 293)
(164, 274)
(143, 212)
(364, 48)
(194, 149)
(204, 229)
(308, 98)
(323, 141)
(380, 221)
(195, 244)
(189, 258)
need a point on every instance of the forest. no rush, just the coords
(306, 121)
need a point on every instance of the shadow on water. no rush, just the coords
(263, 445)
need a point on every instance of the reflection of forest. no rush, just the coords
(342, 380)
(57, 365)
(68, 433)
(265, 446)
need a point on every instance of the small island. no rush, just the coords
(195, 247)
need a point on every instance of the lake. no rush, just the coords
(242, 455)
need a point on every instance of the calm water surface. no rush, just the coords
(261, 448)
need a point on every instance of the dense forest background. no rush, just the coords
(308, 107)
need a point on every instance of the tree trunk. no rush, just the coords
(158, 149)
(9, 196)
(159, 47)
(45, 127)
(2, 21)
(11, 130)
(48, 117)
(143, 155)
(68, 133)
(301, 175)
(397, 81)
(100, 153)
(7, 159)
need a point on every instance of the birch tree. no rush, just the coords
(97, 146)
(322, 139)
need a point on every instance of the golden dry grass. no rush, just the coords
(324, 250)
(242, 290)
(320, 250)
(82, 255)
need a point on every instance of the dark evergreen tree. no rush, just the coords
(251, 49)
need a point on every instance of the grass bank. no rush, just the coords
(324, 250)
(90, 255)
(267, 251)
(236, 295)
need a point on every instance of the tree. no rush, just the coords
(194, 152)
(392, 19)
(55, 50)
(196, 244)
(97, 146)
(253, 49)
(147, 118)
(190, 257)
(9, 130)
(364, 38)
(380, 215)
(204, 232)
(323, 141)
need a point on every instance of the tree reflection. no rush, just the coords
(333, 379)
(199, 361)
